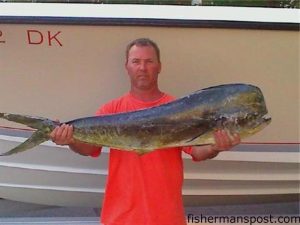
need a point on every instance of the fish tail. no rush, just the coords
(37, 138)
(44, 127)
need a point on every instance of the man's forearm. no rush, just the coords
(204, 152)
(224, 141)
(82, 148)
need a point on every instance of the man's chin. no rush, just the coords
(144, 85)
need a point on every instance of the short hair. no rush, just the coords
(143, 42)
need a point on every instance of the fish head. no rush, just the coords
(252, 123)
(245, 112)
(255, 110)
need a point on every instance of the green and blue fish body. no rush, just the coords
(187, 121)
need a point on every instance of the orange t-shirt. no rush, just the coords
(142, 190)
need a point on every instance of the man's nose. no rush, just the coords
(143, 66)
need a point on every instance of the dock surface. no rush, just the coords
(17, 213)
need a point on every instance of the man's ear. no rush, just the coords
(125, 65)
(160, 67)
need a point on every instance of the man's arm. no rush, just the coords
(63, 135)
(224, 141)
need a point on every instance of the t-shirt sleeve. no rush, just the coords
(108, 108)
(188, 150)
(103, 110)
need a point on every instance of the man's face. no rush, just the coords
(143, 67)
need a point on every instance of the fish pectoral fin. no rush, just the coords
(194, 138)
(37, 138)
(202, 139)
(140, 152)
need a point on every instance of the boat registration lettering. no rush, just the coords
(50, 38)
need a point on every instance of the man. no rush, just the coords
(143, 190)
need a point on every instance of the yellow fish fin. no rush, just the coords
(141, 152)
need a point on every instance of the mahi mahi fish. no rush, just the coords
(187, 121)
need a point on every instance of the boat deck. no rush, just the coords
(54, 220)
(80, 221)
(17, 213)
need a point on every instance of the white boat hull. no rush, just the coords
(54, 175)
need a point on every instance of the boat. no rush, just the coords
(64, 60)
(52, 175)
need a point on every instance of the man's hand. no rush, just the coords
(62, 135)
(224, 141)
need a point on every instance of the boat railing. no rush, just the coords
(244, 3)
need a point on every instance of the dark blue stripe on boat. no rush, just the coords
(148, 22)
